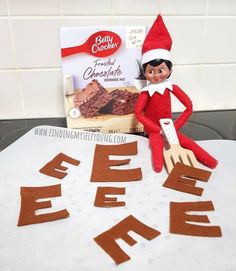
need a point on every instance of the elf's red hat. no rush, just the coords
(157, 43)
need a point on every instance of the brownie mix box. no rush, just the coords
(99, 66)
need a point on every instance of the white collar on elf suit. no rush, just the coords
(159, 87)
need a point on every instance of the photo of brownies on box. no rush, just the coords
(95, 100)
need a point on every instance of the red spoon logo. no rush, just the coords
(100, 44)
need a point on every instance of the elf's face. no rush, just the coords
(157, 74)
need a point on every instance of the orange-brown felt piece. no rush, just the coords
(102, 201)
(102, 172)
(29, 204)
(183, 178)
(54, 167)
(179, 219)
(107, 242)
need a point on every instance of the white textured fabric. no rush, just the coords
(68, 244)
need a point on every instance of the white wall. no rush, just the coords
(204, 48)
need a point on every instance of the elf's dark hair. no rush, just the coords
(157, 62)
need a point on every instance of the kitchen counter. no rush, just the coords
(201, 126)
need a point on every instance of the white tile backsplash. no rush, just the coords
(37, 42)
(219, 7)
(220, 40)
(72, 21)
(3, 8)
(203, 50)
(183, 7)
(187, 35)
(217, 87)
(11, 100)
(136, 7)
(32, 7)
(6, 51)
(91, 7)
(42, 92)
(133, 20)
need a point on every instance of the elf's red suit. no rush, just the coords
(150, 109)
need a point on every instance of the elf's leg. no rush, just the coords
(201, 155)
(156, 145)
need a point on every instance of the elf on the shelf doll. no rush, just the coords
(154, 101)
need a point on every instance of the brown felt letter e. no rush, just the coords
(179, 218)
(102, 172)
(183, 178)
(107, 240)
(54, 167)
(29, 204)
(102, 201)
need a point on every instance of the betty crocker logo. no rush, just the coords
(100, 44)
